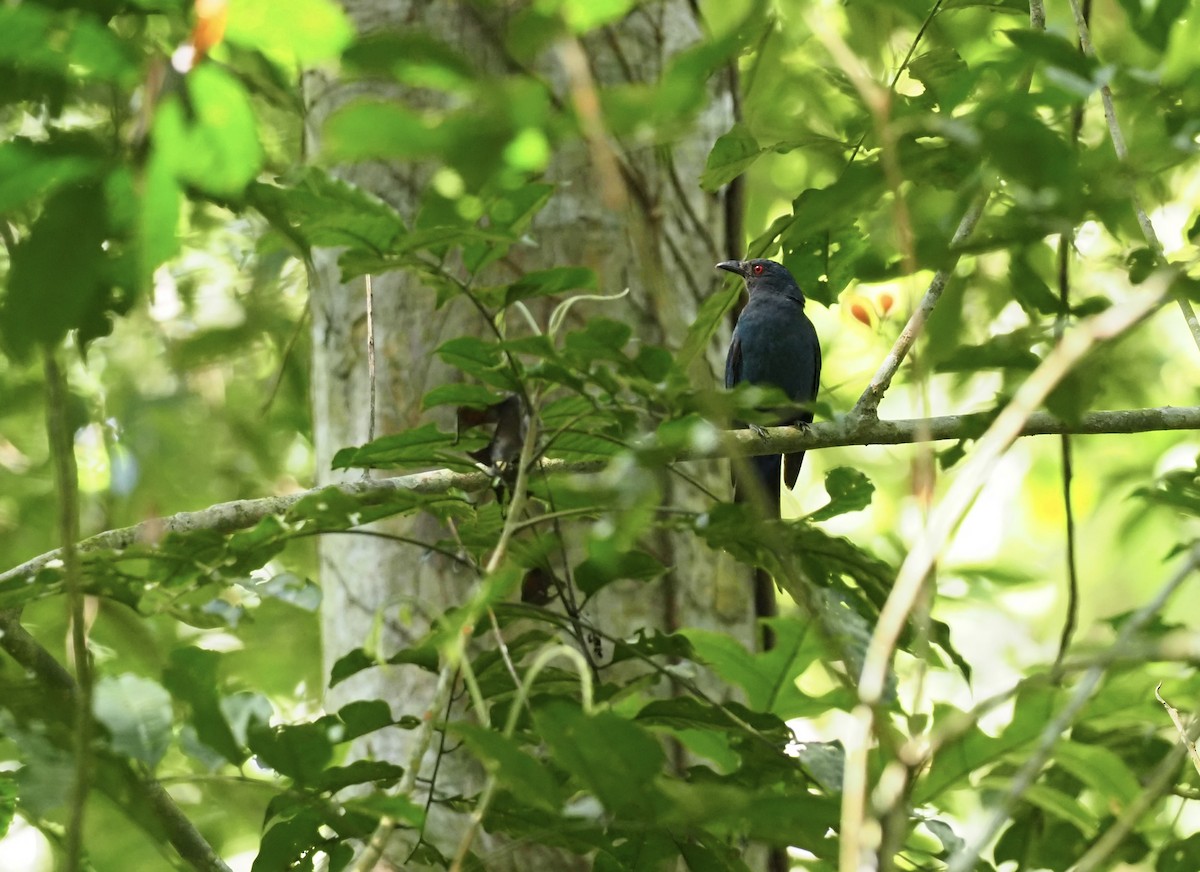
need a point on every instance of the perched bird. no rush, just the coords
(773, 343)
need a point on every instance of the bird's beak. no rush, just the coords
(733, 266)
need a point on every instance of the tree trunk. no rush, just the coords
(649, 227)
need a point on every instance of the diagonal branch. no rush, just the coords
(868, 404)
(845, 432)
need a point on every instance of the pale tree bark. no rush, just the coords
(650, 229)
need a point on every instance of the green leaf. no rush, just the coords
(72, 45)
(292, 33)
(288, 839)
(74, 220)
(731, 155)
(799, 819)
(1179, 855)
(708, 321)
(483, 360)
(602, 569)
(766, 677)
(28, 170)
(191, 676)
(584, 15)
(513, 768)
(312, 208)
(849, 491)
(368, 129)
(1007, 351)
(424, 446)
(613, 758)
(364, 716)
(212, 141)
(137, 714)
(550, 281)
(974, 750)
(401, 808)
(412, 56)
(944, 74)
(8, 801)
(1100, 769)
(461, 394)
(300, 751)
(1055, 802)
(158, 215)
(377, 772)
(1028, 289)
(1074, 68)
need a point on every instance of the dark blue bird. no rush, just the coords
(774, 343)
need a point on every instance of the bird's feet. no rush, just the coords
(761, 432)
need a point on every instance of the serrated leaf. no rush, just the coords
(312, 208)
(423, 446)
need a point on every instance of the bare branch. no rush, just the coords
(844, 432)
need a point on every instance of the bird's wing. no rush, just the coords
(816, 384)
(733, 362)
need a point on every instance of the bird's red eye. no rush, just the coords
(758, 268)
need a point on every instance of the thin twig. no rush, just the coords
(1184, 732)
(62, 450)
(1066, 243)
(377, 844)
(868, 404)
(371, 387)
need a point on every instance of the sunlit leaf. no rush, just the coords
(293, 33)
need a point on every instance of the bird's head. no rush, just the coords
(764, 275)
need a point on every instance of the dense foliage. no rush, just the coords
(158, 217)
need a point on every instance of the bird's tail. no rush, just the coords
(757, 482)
